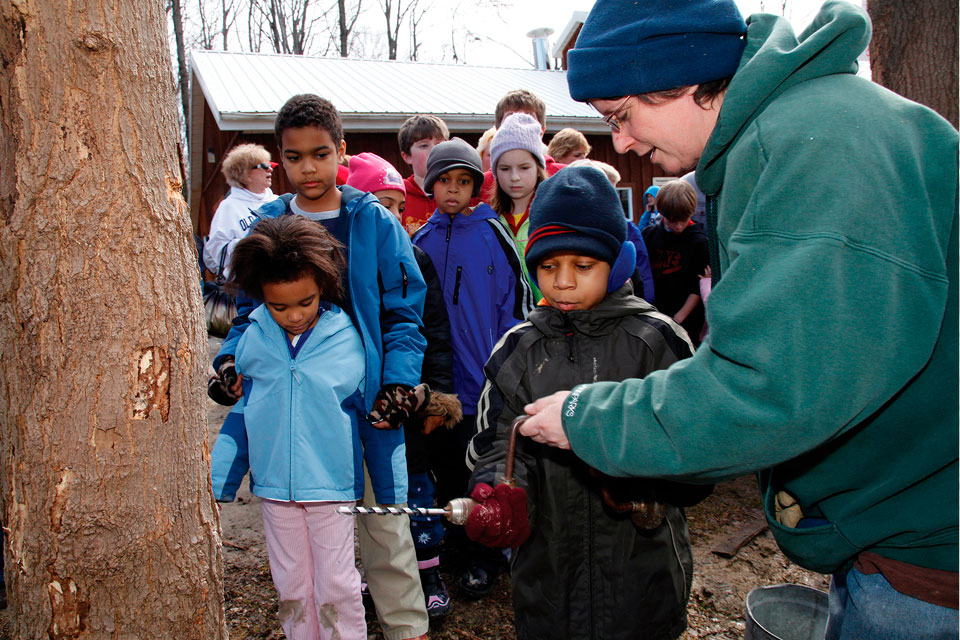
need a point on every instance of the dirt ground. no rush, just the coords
(715, 610)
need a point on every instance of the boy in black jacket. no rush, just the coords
(606, 557)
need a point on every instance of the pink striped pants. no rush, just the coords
(313, 567)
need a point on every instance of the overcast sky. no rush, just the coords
(503, 42)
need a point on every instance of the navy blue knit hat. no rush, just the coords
(576, 210)
(454, 153)
(629, 47)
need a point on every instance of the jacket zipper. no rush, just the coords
(293, 380)
(403, 270)
(456, 286)
(446, 256)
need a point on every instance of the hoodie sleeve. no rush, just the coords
(229, 461)
(816, 324)
(403, 291)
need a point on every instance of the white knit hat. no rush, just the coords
(517, 131)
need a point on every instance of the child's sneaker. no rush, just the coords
(435, 593)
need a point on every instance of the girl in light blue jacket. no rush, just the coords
(302, 363)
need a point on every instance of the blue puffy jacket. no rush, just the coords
(483, 286)
(297, 426)
(386, 292)
(381, 271)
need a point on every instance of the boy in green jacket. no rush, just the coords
(831, 365)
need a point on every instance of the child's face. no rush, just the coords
(310, 158)
(393, 200)
(453, 190)
(417, 158)
(572, 281)
(676, 226)
(293, 305)
(517, 173)
(573, 156)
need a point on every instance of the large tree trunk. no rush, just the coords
(104, 468)
(914, 51)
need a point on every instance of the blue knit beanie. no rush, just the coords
(576, 210)
(629, 47)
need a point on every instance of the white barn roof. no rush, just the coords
(245, 91)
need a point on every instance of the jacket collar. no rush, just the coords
(595, 322)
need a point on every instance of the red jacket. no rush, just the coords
(420, 206)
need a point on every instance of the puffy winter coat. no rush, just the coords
(586, 572)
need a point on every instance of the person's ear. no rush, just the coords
(342, 151)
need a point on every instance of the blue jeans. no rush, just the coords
(866, 607)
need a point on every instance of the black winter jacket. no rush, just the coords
(437, 368)
(586, 572)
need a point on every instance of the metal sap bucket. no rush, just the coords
(786, 612)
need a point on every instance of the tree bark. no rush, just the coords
(112, 531)
(914, 51)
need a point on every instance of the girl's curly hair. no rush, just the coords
(284, 249)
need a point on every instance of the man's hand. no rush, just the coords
(545, 424)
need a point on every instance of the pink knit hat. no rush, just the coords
(370, 172)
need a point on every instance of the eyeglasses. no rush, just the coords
(266, 166)
(612, 120)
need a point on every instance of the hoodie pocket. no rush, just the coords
(822, 548)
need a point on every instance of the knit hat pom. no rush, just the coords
(576, 210)
(370, 172)
(517, 131)
(630, 47)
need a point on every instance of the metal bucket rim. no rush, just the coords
(792, 585)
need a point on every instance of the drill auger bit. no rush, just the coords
(456, 510)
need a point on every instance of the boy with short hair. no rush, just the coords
(678, 256)
(519, 101)
(485, 292)
(597, 556)
(385, 294)
(417, 136)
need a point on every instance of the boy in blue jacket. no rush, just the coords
(384, 297)
(485, 293)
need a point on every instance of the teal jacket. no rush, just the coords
(831, 364)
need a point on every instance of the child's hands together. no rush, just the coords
(500, 517)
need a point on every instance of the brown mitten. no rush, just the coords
(443, 409)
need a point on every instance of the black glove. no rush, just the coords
(397, 403)
(218, 387)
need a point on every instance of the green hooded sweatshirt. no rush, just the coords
(832, 363)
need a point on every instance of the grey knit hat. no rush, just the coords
(455, 153)
(517, 131)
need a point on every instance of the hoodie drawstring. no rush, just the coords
(713, 242)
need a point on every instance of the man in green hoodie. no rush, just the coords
(831, 367)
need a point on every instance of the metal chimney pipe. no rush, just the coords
(541, 57)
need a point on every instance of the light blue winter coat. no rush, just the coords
(298, 426)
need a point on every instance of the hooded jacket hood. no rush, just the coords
(774, 61)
